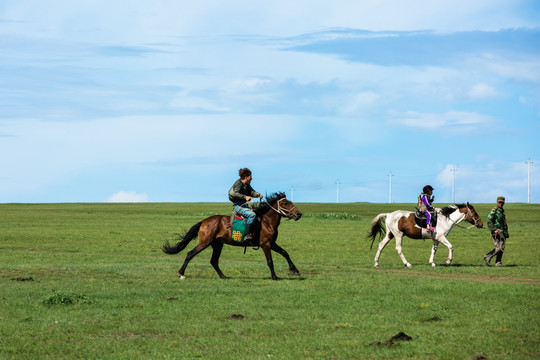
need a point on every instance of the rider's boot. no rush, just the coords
(249, 233)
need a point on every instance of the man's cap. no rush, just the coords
(500, 199)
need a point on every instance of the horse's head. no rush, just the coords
(283, 206)
(288, 209)
(471, 216)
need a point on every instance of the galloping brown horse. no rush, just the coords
(216, 230)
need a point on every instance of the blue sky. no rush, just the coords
(165, 100)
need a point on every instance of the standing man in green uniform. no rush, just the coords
(499, 232)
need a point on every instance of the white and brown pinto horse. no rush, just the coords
(402, 223)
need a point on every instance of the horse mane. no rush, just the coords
(270, 202)
(447, 210)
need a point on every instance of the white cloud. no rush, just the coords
(144, 20)
(526, 70)
(452, 120)
(128, 196)
(360, 101)
(188, 103)
(482, 91)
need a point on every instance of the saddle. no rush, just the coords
(238, 229)
(421, 219)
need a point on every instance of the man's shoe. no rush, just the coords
(487, 260)
(499, 264)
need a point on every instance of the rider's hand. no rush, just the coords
(260, 196)
(248, 198)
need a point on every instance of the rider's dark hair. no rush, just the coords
(244, 173)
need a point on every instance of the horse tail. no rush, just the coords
(184, 240)
(377, 228)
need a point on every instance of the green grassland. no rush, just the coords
(90, 281)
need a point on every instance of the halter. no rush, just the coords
(281, 210)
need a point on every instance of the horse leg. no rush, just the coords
(190, 255)
(268, 253)
(280, 250)
(450, 249)
(399, 250)
(433, 251)
(217, 246)
(382, 244)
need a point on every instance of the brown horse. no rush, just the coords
(402, 223)
(216, 230)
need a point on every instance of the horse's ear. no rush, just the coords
(467, 204)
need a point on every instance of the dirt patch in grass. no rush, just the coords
(401, 336)
(236, 316)
(433, 319)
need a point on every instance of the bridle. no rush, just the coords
(468, 215)
(281, 210)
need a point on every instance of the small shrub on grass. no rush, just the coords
(58, 298)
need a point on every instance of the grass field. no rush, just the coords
(90, 281)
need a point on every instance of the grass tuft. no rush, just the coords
(59, 298)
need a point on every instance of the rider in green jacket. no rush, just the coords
(240, 193)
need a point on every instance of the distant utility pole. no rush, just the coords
(529, 163)
(454, 184)
(292, 194)
(337, 182)
(390, 192)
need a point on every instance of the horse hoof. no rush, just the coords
(182, 277)
(409, 266)
(376, 266)
(433, 265)
(448, 262)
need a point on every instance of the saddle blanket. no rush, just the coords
(238, 228)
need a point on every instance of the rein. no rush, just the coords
(281, 210)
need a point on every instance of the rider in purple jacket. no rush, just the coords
(424, 202)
